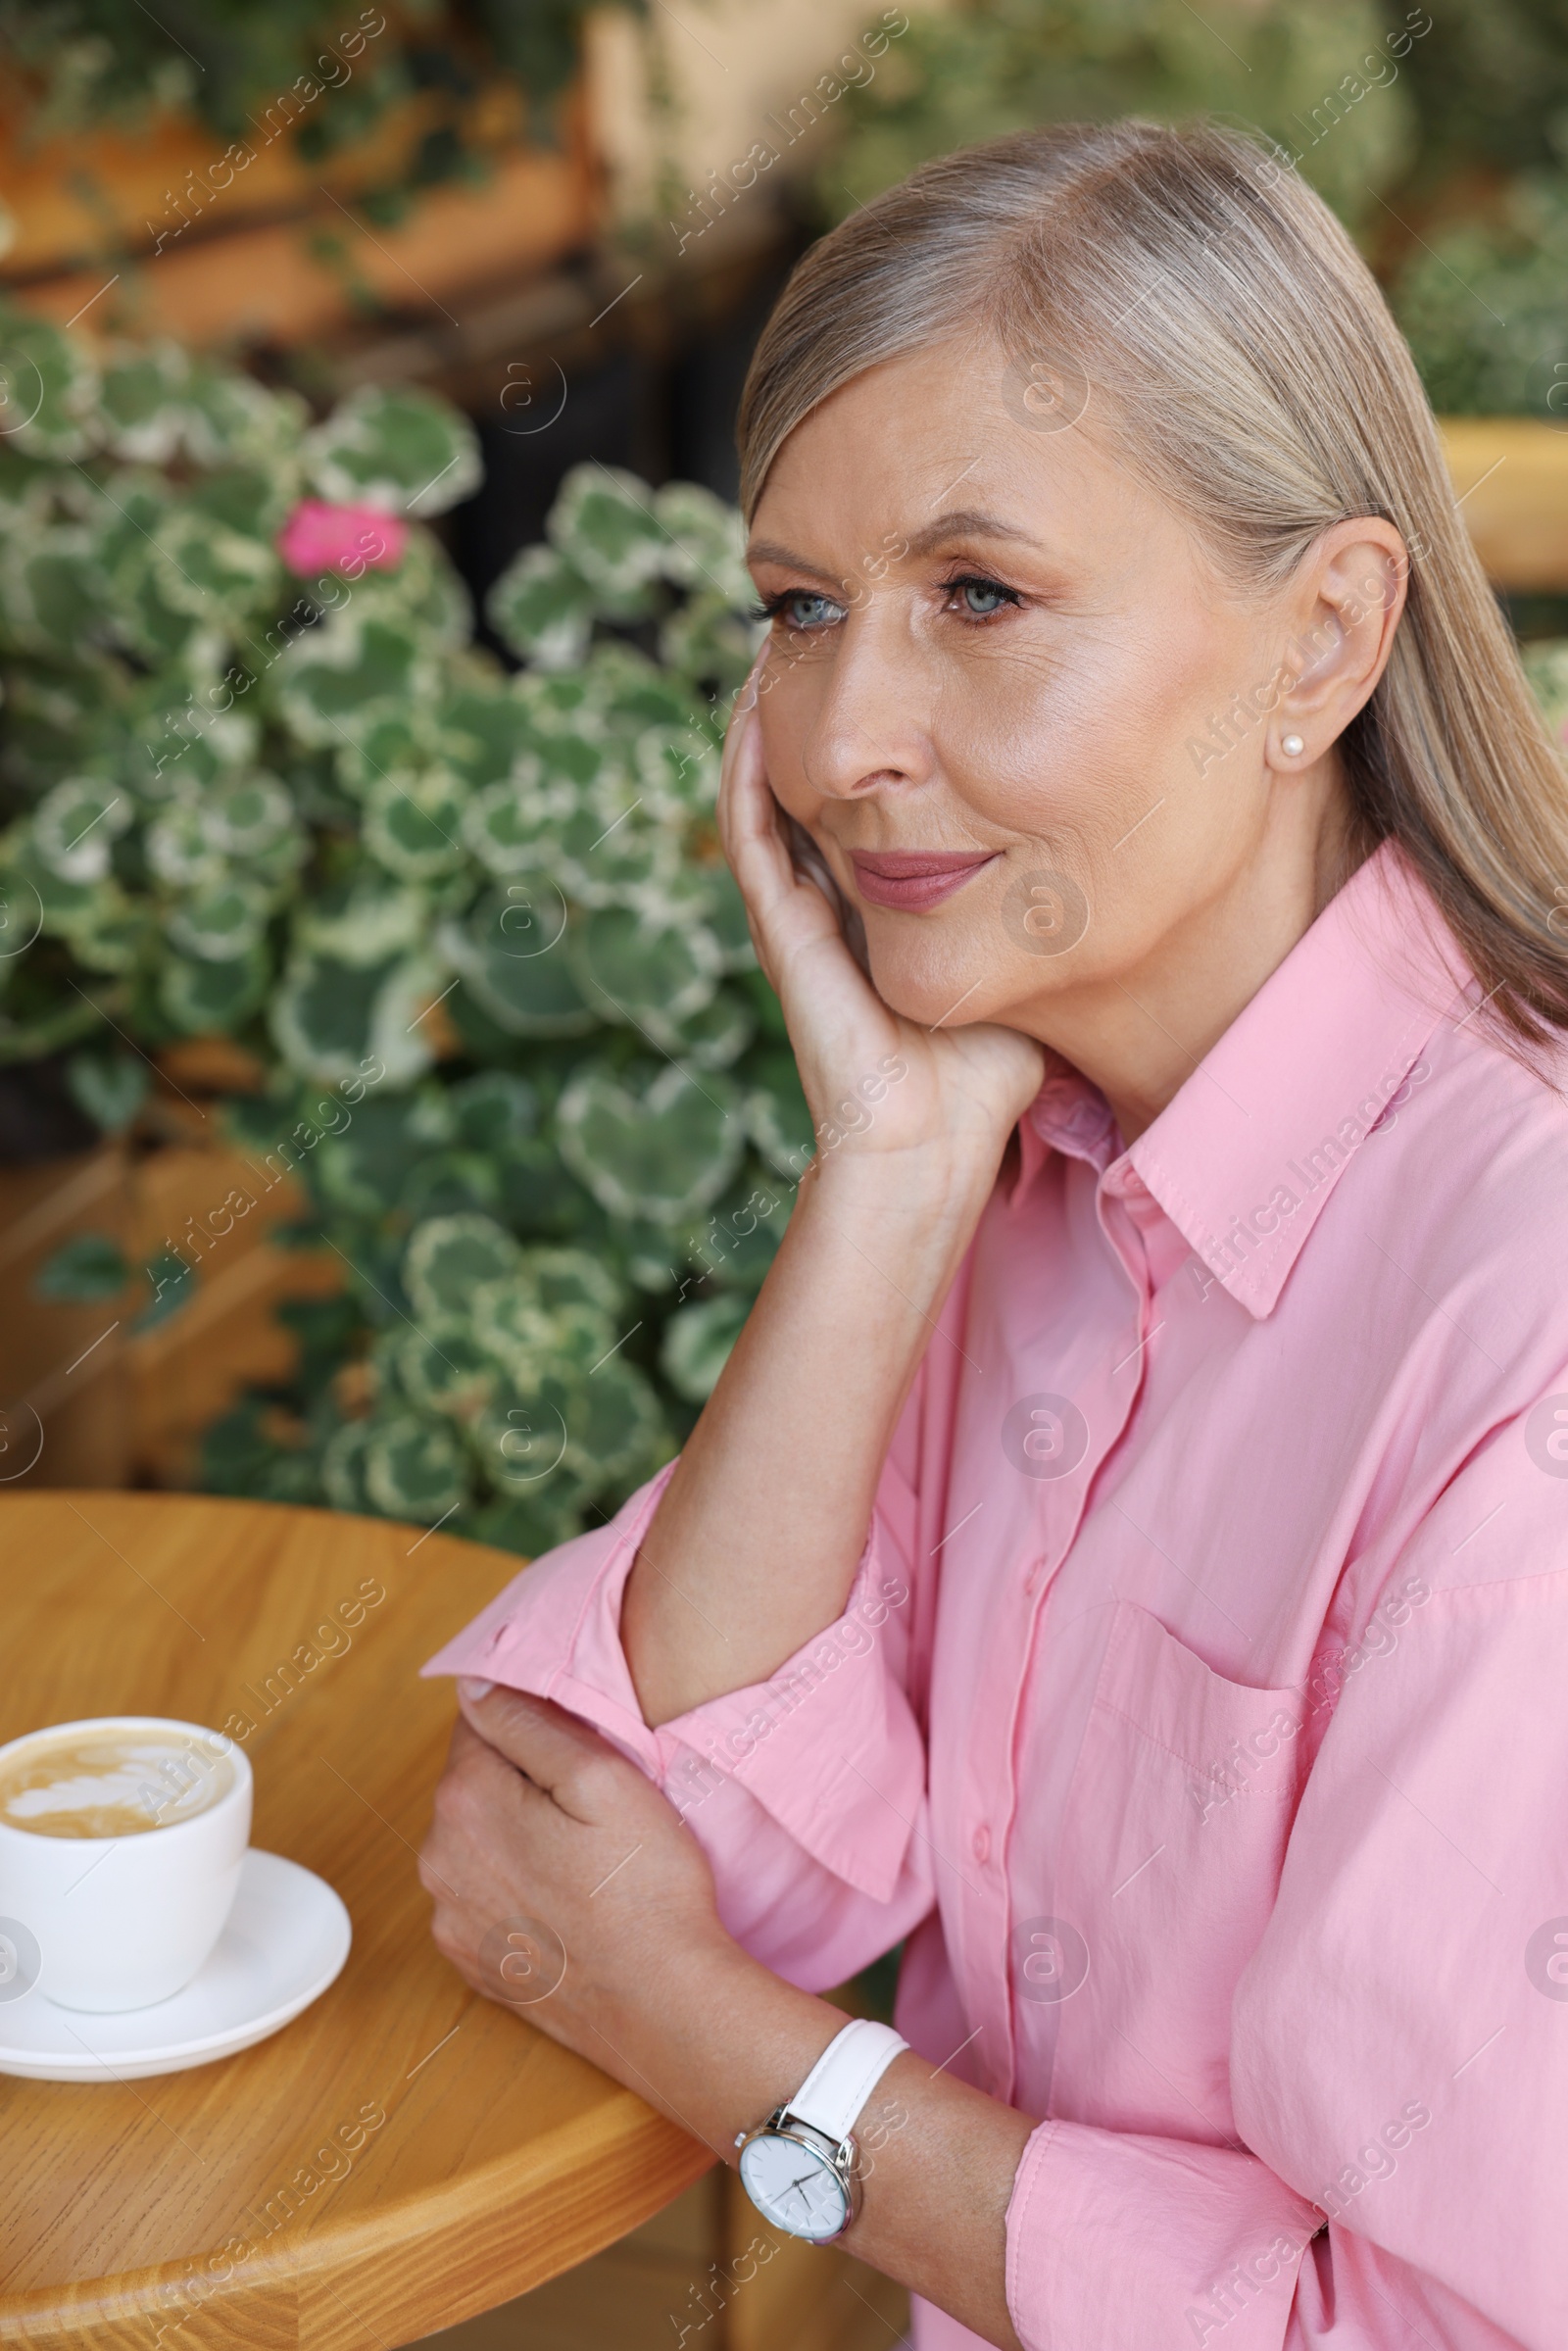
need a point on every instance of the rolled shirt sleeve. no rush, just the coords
(807, 1790)
(1116, 2238)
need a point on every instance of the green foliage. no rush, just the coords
(1483, 304)
(325, 76)
(1490, 84)
(110, 1086)
(1270, 66)
(1547, 667)
(473, 925)
(395, 447)
(83, 1272)
(1409, 121)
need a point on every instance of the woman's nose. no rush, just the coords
(870, 728)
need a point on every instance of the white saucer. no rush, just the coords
(287, 1937)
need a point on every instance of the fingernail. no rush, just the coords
(468, 1687)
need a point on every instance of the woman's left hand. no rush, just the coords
(544, 1834)
(565, 1885)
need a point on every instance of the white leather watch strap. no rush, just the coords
(844, 2077)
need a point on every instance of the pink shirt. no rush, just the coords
(1199, 1712)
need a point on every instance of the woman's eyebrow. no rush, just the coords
(769, 551)
(967, 522)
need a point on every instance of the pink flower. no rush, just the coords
(351, 539)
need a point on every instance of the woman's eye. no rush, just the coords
(980, 598)
(800, 609)
(805, 609)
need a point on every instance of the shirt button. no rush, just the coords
(981, 1843)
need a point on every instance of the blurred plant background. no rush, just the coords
(370, 604)
(1440, 136)
(470, 929)
(88, 62)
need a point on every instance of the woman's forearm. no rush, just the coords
(936, 2158)
(756, 1540)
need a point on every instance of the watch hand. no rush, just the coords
(795, 2186)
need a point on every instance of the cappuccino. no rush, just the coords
(105, 1782)
(131, 1922)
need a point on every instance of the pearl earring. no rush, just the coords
(1292, 746)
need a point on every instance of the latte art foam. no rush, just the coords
(110, 1782)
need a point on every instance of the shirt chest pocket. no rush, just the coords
(1181, 1803)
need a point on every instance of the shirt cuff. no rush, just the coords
(1114, 2238)
(829, 1745)
(555, 1630)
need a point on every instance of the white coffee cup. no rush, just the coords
(104, 1922)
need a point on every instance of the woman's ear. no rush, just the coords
(1350, 594)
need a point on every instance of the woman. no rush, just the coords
(1124, 1554)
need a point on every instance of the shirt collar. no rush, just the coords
(1068, 1114)
(1244, 1158)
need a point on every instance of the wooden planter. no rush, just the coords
(108, 1404)
(166, 233)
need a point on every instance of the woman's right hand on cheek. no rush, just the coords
(890, 1101)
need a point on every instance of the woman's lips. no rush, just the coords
(915, 879)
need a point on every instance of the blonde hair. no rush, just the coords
(1237, 351)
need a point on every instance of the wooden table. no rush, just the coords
(502, 2160)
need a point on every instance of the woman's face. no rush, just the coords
(998, 671)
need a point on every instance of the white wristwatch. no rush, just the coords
(800, 2167)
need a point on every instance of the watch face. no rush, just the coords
(794, 2186)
